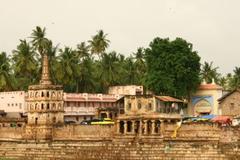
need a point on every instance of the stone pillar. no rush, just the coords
(118, 126)
(133, 127)
(153, 127)
(162, 127)
(125, 127)
(145, 127)
(140, 128)
(107, 113)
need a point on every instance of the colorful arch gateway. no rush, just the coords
(205, 100)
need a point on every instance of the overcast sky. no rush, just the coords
(212, 26)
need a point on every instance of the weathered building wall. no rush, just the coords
(13, 102)
(230, 106)
(126, 90)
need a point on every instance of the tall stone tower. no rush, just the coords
(44, 105)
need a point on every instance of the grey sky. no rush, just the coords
(211, 25)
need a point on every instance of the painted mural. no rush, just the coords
(202, 104)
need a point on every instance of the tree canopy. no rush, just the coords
(172, 67)
(164, 67)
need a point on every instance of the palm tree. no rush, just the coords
(39, 41)
(139, 56)
(83, 50)
(130, 75)
(99, 43)
(208, 72)
(86, 81)
(235, 80)
(25, 65)
(223, 83)
(140, 65)
(109, 71)
(68, 69)
(6, 78)
(51, 51)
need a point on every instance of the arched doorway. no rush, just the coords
(54, 119)
(202, 107)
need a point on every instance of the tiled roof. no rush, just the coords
(228, 94)
(168, 99)
(209, 87)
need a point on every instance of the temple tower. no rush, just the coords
(44, 105)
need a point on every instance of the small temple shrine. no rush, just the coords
(145, 115)
(44, 105)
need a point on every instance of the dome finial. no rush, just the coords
(45, 78)
(213, 81)
(204, 81)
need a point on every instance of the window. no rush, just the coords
(139, 105)
(149, 106)
(53, 94)
(36, 121)
(48, 106)
(36, 94)
(54, 119)
(129, 106)
(47, 94)
(232, 106)
(53, 106)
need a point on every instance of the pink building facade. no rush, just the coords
(85, 106)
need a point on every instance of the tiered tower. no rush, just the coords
(44, 106)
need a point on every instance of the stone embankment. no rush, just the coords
(193, 142)
(107, 150)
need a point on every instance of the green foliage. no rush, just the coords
(172, 67)
(165, 67)
(208, 73)
(25, 65)
(234, 80)
(6, 75)
(99, 43)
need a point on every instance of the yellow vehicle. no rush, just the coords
(105, 121)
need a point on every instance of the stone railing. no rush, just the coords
(9, 133)
(75, 132)
(202, 131)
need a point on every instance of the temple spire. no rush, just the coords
(45, 78)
